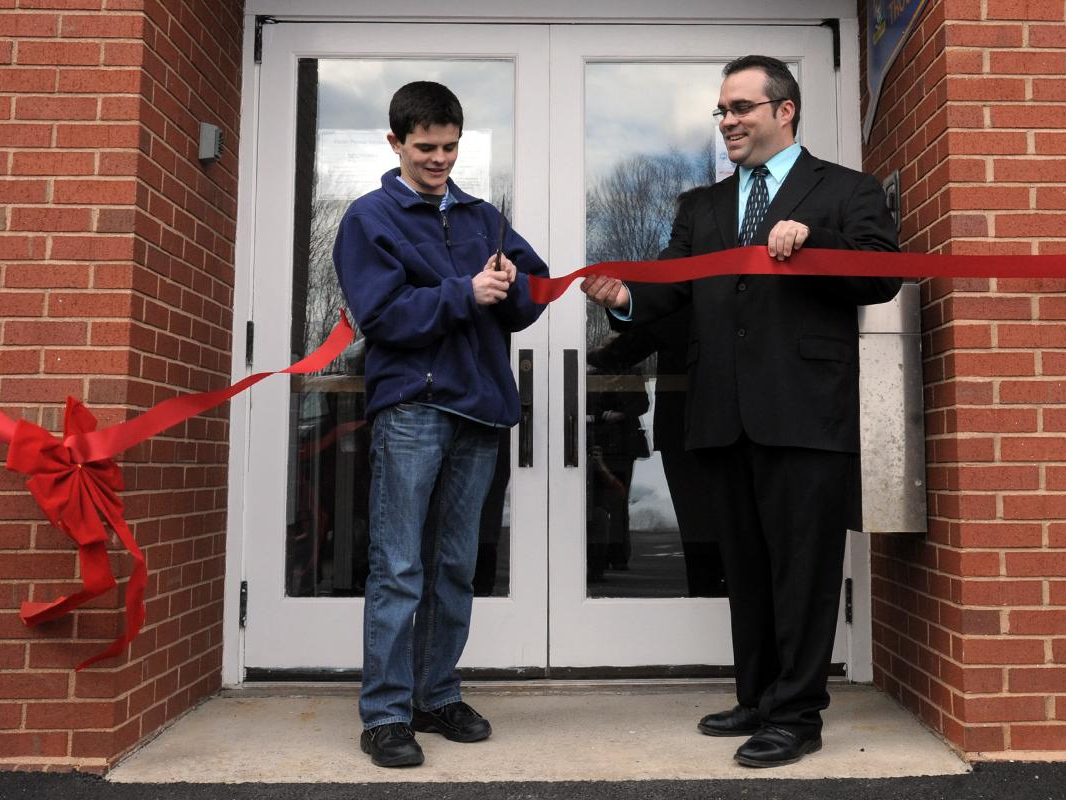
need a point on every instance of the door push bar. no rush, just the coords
(525, 400)
(572, 431)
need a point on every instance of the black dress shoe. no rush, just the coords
(392, 745)
(775, 747)
(456, 721)
(739, 721)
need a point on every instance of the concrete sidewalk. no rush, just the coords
(543, 731)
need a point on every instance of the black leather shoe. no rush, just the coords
(775, 747)
(392, 745)
(456, 721)
(740, 721)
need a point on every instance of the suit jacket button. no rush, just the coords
(741, 332)
(742, 287)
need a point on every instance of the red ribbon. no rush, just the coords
(754, 260)
(76, 483)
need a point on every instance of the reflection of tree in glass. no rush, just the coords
(629, 212)
(324, 295)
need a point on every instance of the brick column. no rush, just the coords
(115, 287)
(970, 621)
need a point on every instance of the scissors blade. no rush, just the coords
(501, 232)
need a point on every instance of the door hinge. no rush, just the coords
(847, 601)
(242, 616)
(834, 26)
(249, 342)
(260, 21)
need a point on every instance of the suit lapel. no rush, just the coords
(805, 174)
(725, 209)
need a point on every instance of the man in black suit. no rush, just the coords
(773, 399)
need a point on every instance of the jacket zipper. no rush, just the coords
(429, 385)
(444, 222)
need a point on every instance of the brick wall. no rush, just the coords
(116, 276)
(970, 620)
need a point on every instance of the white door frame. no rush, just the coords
(763, 12)
(313, 632)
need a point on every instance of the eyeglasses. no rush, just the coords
(741, 109)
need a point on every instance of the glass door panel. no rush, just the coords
(341, 155)
(323, 117)
(637, 588)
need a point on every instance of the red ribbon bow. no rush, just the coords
(74, 496)
(75, 482)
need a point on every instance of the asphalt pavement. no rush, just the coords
(987, 781)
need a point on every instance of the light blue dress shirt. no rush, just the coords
(779, 165)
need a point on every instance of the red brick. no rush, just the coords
(117, 81)
(997, 478)
(1032, 392)
(23, 191)
(25, 135)
(47, 276)
(45, 332)
(27, 81)
(1047, 224)
(52, 163)
(985, 88)
(988, 197)
(999, 709)
(981, 308)
(1047, 36)
(104, 192)
(1038, 737)
(1026, 116)
(1048, 89)
(19, 362)
(979, 420)
(1037, 564)
(38, 390)
(111, 25)
(1025, 9)
(1002, 651)
(33, 686)
(50, 219)
(1029, 170)
(999, 534)
(1030, 622)
(93, 248)
(44, 744)
(72, 715)
(59, 53)
(1001, 593)
(983, 35)
(1041, 448)
(56, 5)
(87, 362)
(986, 142)
(92, 135)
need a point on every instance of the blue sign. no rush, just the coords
(888, 24)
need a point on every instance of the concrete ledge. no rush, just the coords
(541, 732)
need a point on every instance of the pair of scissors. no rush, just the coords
(499, 236)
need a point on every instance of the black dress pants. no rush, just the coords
(782, 515)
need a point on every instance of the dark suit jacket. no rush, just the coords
(776, 357)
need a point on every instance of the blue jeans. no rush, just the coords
(429, 474)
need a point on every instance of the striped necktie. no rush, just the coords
(758, 202)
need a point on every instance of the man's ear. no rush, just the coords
(786, 110)
(394, 141)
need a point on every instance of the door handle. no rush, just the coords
(572, 431)
(525, 400)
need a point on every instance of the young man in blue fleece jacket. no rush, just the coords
(417, 262)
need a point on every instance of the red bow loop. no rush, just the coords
(74, 496)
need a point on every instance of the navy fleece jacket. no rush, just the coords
(406, 271)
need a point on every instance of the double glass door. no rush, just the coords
(593, 552)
